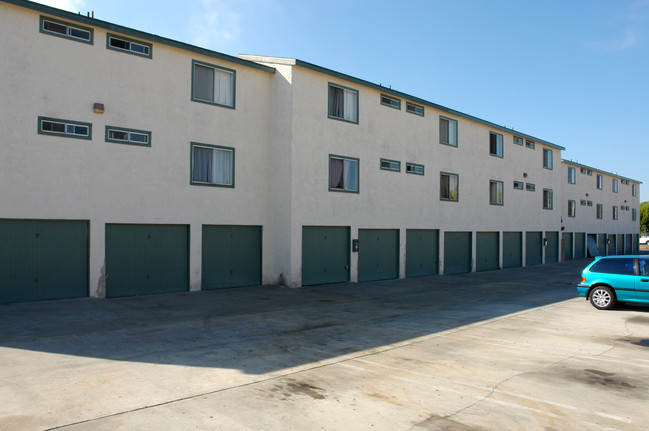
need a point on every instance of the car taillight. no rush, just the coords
(583, 279)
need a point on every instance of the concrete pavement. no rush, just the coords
(511, 349)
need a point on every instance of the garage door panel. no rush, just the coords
(567, 245)
(552, 249)
(457, 252)
(487, 251)
(325, 254)
(422, 252)
(378, 257)
(512, 249)
(43, 259)
(580, 245)
(231, 256)
(533, 248)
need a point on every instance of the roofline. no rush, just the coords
(136, 33)
(581, 165)
(387, 90)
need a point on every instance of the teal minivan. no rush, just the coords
(613, 279)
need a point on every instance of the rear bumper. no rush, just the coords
(582, 290)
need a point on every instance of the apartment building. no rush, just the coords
(134, 164)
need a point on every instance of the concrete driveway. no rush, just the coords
(511, 349)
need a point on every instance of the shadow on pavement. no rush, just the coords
(267, 328)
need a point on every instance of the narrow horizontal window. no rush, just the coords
(390, 165)
(495, 144)
(120, 43)
(413, 168)
(530, 144)
(121, 135)
(343, 174)
(343, 103)
(518, 185)
(66, 128)
(496, 192)
(390, 101)
(582, 170)
(449, 187)
(414, 109)
(518, 140)
(65, 30)
(589, 172)
(212, 165)
(530, 187)
(582, 202)
(212, 84)
(589, 203)
(447, 131)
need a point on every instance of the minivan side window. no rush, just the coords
(614, 266)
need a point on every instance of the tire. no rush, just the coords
(603, 298)
(647, 243)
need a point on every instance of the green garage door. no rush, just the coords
(620, 244)
(580, 245)
(567, 246)
(422, 252)
(635, 243)
(487, 251)
(43, 259)
(629, 244)
(325, 255)
(552, 249)
(231, 256)
(457, 252)
(146, 259)
(533, 248)
(601, 244)
(612, 245)
(378, 256)
(512, 249)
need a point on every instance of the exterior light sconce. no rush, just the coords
(545, 242)
(586, 194)
(524, 174)
(608, 241)
(98, 108)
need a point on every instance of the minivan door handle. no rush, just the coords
(644, 280)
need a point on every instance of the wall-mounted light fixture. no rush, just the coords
(524, 174)
(545, 241)
(586, 194)
(98, 108)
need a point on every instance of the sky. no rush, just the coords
(574, 73)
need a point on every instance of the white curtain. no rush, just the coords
(452, 133)
(351, 175)
(223, 167)
(222, 87)
(351, 109)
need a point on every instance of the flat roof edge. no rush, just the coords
(581, 165)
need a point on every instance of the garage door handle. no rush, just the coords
(346, 267)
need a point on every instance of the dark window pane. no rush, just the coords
(203, 82)
(55, 28)
(614, 266)
(118, 43)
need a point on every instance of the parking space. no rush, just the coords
(510, 349)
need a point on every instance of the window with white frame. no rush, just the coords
(614, 185)
(547, 199)
(66, 30)
(447, 131)
(600, 182)
(343, 103)
(547, 158)
(496, 191)
(213, 84)
(449, 187)
(615, 213)
(571, 175)
(65, 128)
(343, 174)
(600, 211)
(572, 208)
(120, 43)
(212, 165)
(495, 144)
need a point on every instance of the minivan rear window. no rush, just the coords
(614, 266)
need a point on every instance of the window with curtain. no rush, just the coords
(547, 199)
(547, 158)
(213, 84)
(343, 103)
(600, 182)
(600, 211)
(572, 208)
(571, 175)
(614, 186)
(343, 174)
(212, 165)
(495, 144)
(496, 192)
(615, 213)
(447, 131)
(448, 187)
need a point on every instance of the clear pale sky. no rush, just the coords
(574, 73)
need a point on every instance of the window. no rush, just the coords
(614, 266)
(343, 103)
(212, 165)
(529, 144)
(414, 109)
(66, 128)
(589, 172)
(634, 214)
(582, 170)
(343, 174)
(572, 208)
(212, 84)
(600, 211)
(547, 158)
(530, 187)
(634, 189)
(518, 185)
(571, 175)
(390, 165)
(390, 101)
(547, 199)
(447, 131)
(119, 43)
(449, 187)
(121, 135)
(600, 182)
(65, 30)
(496, 192)
(413, 168)
(582, 202)
(495, 144)
(614, 186)
(615, 213)
(518, 140)
(589, 203)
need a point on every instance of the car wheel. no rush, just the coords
(602, 298)
(647, 243)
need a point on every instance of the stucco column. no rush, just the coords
(97, 257)
(195, 262)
